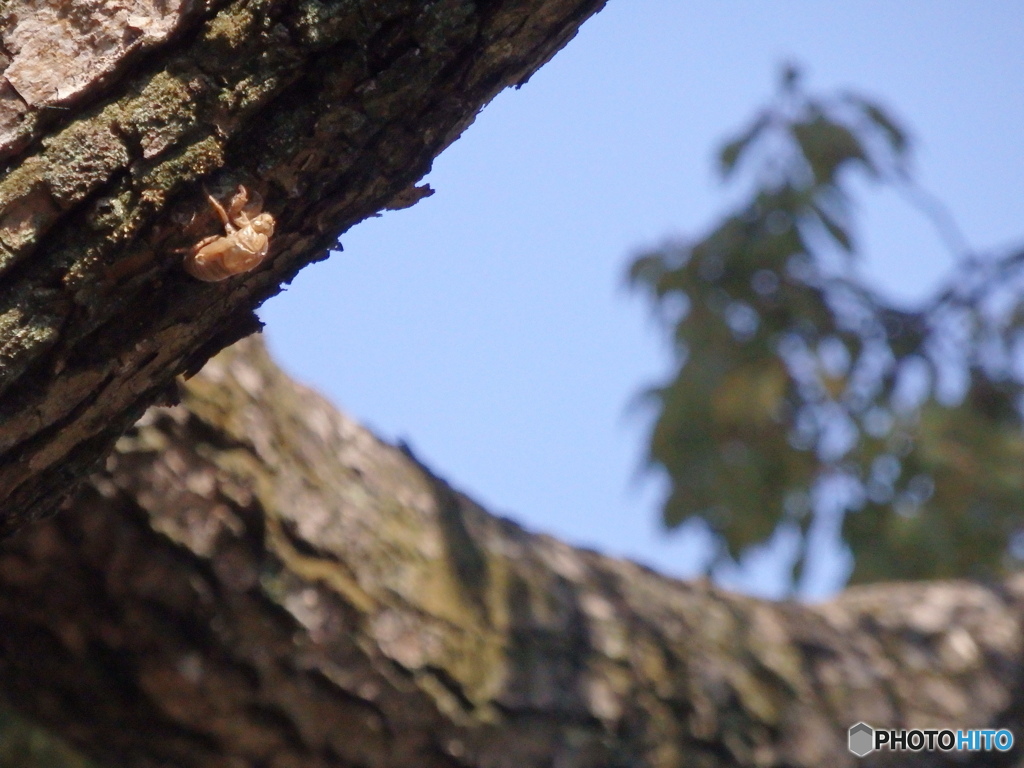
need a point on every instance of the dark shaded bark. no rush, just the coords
(256, 580)
(115, 113)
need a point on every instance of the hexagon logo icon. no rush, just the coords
(862, 739)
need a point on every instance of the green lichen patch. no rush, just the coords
(163, 112)
(316, 24)
(231, 30)
(28, 325)
(252, 91)
(187, 164)
(81, 158)
(235, 37)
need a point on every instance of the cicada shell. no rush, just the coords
(242, 247)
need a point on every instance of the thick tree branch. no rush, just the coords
(256, 580)
(113, 114)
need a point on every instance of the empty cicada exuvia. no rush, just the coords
(241, 248)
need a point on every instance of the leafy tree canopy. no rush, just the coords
(797, 385)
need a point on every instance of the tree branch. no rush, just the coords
(256, 580)
(329, 110)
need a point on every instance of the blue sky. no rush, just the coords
(488, 326)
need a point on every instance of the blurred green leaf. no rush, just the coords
(791, 373)
(898, 140)
(733, 151)
(827, 146)
(969, 464)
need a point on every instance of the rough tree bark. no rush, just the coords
(255, 580)
(114, 113)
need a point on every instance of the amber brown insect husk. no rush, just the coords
(242, 247)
